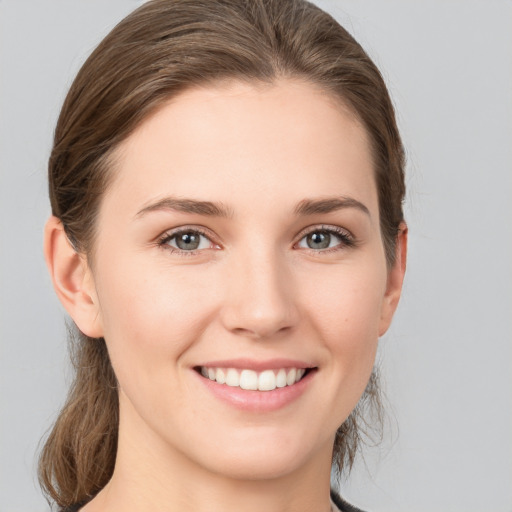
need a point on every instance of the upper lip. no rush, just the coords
(256, 365)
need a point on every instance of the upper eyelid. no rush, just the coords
(324, 227)
(170, 234)
(205, 231)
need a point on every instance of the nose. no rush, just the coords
(260, 300)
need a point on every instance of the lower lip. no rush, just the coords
(258, 401)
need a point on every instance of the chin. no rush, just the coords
(263, 457)
(265, 466)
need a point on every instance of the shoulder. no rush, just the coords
(342, 505)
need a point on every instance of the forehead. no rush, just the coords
(239, 143)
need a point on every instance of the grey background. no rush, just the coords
(447, 360)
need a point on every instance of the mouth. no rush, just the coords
(248, 379)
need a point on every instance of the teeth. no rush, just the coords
(290, 376)
(281, 378)
(220, 376)
(267, 380)
(248, 380)
(232, 378)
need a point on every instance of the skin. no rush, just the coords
(254, 289)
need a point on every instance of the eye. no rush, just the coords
(186, 241)
(325, 239)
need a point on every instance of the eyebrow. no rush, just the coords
(327, 205)
(185, 205)
(207, 208)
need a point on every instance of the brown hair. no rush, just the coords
(161, 49)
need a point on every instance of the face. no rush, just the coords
(239, 277)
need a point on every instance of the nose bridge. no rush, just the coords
(260, 301)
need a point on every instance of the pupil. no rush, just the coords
(320, 240)
(188, 241)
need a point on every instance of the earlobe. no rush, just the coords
(395, 280)
(72, 279)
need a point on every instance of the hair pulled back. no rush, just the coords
(158, 51)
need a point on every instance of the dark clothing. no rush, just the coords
(73, 508)
(342, 504)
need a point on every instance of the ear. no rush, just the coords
(72, 279)
(395, 280)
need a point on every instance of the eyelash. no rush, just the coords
(346, 239)
(168, 236)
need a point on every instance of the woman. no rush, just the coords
(228, 237)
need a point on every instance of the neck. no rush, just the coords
(160, 478)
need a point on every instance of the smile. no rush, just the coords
(266, 380)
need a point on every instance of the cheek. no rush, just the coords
(347, 311)
(152, 314)
(348, 301)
